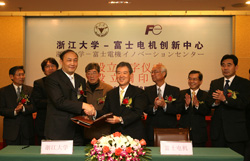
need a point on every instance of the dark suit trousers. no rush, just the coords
(238, 147)
(247, 152)
(20, 140)
(78, 138)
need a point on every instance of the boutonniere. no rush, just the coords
(24, 99)
(127, 102)
(169, 99)
(80, 92)
(201, 102)
(232, 94)
(101, 100)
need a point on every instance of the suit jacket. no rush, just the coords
(230, 116)
(23, 121)
(63, 104)
(194, 118)
(160, 118)
(39, 97)
(132, 117)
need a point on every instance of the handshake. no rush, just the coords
(89, 109)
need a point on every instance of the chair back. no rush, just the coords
(170, 134)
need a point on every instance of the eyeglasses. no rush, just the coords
(91, 73)
(155, 72)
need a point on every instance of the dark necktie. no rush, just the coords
(159, 93)
(226, 87)
(18, 92)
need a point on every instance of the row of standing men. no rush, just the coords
(63, 94)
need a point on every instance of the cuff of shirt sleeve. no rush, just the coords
(121, 120)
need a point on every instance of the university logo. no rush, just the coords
(101, 29)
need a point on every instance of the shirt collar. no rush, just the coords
(162, 87)
(195, 91)
(15, 86)
(70, 76)
(125, 89)
(230, 80)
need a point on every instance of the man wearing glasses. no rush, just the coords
(163, 103)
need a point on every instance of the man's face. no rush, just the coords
(157, 75)
(123, 76)
(194, 81)
(228, 68)
(69, 63)
(18, 78)
(49, 68)
(93, 76)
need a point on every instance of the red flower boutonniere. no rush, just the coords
(169, 99)
(101, 100)
(80, 92)
(127, 102)
(232, 94)
(24, 99)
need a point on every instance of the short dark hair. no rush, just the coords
(51, 60)
(65, 52)
(228, 56)
(196, 72)
(13, 70)
(91, 66)
(125, 64)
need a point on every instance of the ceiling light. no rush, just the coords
(2, 3)
(247, 2)
(119, 2)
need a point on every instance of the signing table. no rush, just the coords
(16, 153)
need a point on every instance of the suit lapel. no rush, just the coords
(65, 78)
(221, 83)
(12, 92)
(234, 84)
(77, 83)
(165, 91)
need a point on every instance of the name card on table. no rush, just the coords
(176, 148)
(57, 147)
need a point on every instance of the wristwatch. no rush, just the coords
(225, 101)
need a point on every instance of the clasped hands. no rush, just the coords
(218, 95)
(188, 100)
(159, 102)
(89, 109)
(19, 107)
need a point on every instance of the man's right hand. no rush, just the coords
(89, 109)
(19, 107)
(187, 99)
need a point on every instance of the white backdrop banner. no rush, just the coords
(182, 44)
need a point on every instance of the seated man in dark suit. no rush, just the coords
(193, 109)
(16, 107)
(66, 99)
(229, 96)
(39, 97)
(127, 103)
(163, 101)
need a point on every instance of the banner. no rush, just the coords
(182, 44)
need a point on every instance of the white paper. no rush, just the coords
(176, 148)
(57, 147)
